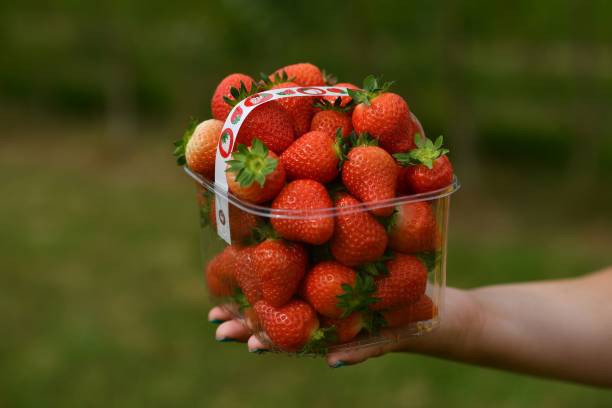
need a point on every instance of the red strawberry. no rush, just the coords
(344, 100)
(304, 195)
(300, 109)
(275, 269)
(347, 328)
(413, 228)
(289, 327)
(403, 284)
(400, 141)
(330, 118)
(323, 285)
(255, 174)
(271, 124)
(315, 156)
(370, 174)
(303, 74)
(198, 147)
(384, 115)
(221, 271)
(241, 224)
(220, 108)
(428, 166)
(422, 309)
(358, 238)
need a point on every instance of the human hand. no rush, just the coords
(461, 318)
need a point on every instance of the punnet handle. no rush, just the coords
(231, 127)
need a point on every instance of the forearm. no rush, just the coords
(559, 329)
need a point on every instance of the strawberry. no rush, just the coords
(304, 195)
(344, 100)
(422, 309)
(403, 284)
(242, 222)
(221, 271)
(220, 108)
(413, 228)
(382, 114)
(303, 74)
(370, 174)
(255, 174)
(335, 291)
(315, 155)
(358, 237)
(346, 328)
(290, 327)
(428, 166)
(331, 117)
(400, 141)
(198, 147)
(300, 109)
(272, 271)
(271, 124)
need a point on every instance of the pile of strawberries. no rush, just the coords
(314, 280)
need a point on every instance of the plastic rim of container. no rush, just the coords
(320, 212)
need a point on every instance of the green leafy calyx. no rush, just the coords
(324, 104)
(340, 148)
(362, 139)
(372, 87)
(425, 153)
(180, 146)
(252, 164)
(319, 341)
(269, 81)
(378, 267)
(358, 297)
(241, 93)
(329, 78)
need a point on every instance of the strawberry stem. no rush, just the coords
(324, 104)
(425, 153)
(362, 139)
(340, 148)
(372, 87)
(329, 78)
(241, 93)
(181, 144)
(319, 341)
(252, 164)
(358, 297)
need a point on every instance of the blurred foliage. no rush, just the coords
(530, 74)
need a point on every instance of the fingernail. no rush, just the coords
(258, 351)
(216, 321)
(226, 340)
(338, 364)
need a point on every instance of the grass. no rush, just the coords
(102, 301)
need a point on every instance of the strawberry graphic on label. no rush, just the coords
(226, 142)
(286, 92)
(237, 115)
(337, 90)
(257, 99)
(311, 91)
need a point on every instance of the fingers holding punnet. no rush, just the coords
(232, 330)
(256, 346)
(219, 315)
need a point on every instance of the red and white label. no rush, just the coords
(232, 125)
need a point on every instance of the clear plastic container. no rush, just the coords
(417, 315)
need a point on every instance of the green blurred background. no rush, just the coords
(102, 301)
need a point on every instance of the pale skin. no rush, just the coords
(559, 329)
